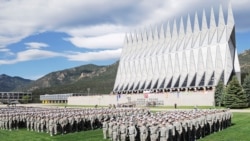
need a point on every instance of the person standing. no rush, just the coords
(105, 129)
(42, 123)
(178, 129)
(123, 131)
(143, 132)
(115, 132)
(132, 132)
(10, 121)
(154, 132)
(51, 126)
(110, 126)
(163, 132)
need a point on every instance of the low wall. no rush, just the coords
(201, 98)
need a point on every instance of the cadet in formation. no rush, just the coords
(118, 124)
(186, 125)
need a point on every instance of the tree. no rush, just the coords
(218, 94)
(25, 99)
(246, 87)
(235, 96)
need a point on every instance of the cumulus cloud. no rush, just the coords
(95, 24)
(31, 54)
(94, 30)
(4, 50)
(93, 56)
(36, 45)
(38, 54)
(67, 14)
(107, 41)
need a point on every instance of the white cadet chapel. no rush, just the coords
(180, 58)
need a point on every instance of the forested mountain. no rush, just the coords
(99, 79)
(8, 83)
(244, 59)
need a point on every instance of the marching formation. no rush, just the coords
(122, 124)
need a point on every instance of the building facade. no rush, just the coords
(180, 58)
(7, 97)
(57, 98)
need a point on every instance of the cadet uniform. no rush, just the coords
(110, 127)
(178, 129)
(51, 126)
(105, 129)
(132, 132)
(115, 132)
(163, 132)
(123, 132)
(143, 132)
(154, 132)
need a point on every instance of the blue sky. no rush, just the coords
(41, 36)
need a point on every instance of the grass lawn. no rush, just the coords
(23, 135)
(238, 132)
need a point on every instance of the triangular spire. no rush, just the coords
(130, 38)
(212, 19)
(181, 29)
(150, 34)
(145, 36)
(174, 32)
(221, 26)
(221, 21)
(135, 39)
(230, 17)
(196, 23)
(204, 21)
(189, 27)
(139, 36)
(162, 35)
(156, 35)
(168, 33)
(204, 29)
(126, 39)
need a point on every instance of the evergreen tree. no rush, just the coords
(235, 96)
(246, 87)
(218, 94)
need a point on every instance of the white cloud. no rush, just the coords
(37, 54)
(36, 45)
(21, 18)
(95, 23)
(94, 30)
(108, 41)
(4, 50)
(31, 54)
(93, 56)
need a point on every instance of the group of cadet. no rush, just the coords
(51, 120)
(166, 126)
(121, 124)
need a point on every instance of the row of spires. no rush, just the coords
(150, 35)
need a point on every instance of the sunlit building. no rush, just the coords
(180, 56)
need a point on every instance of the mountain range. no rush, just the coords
(98, 79)
(8, 83)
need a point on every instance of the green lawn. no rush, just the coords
(23, 135)
(238, 132)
